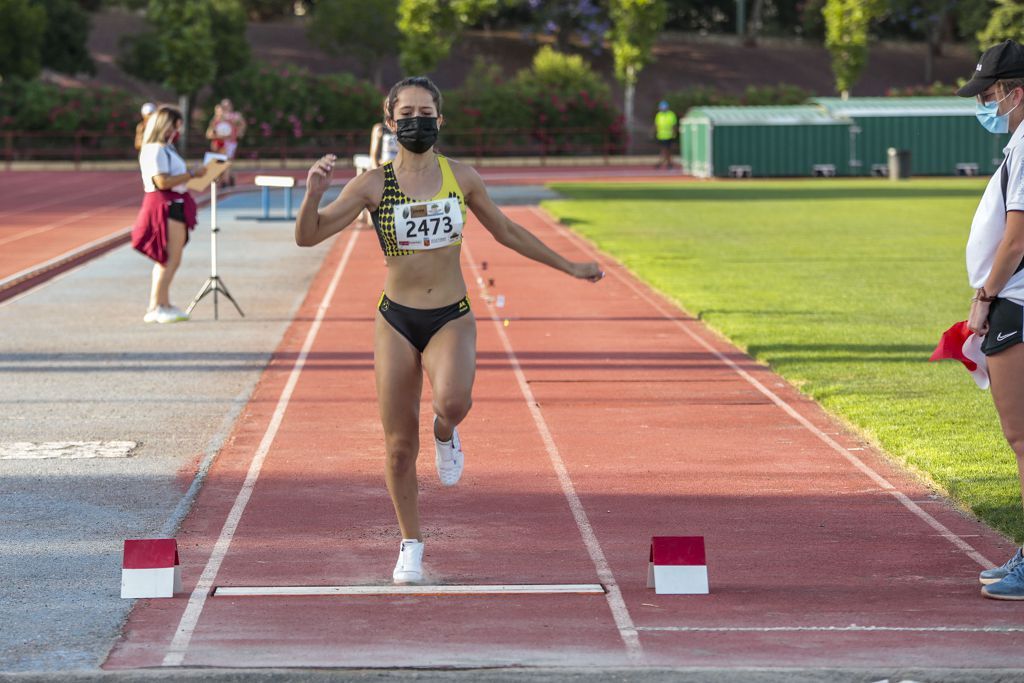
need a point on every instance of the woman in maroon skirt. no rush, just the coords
(168, 210)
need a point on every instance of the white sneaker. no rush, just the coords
(409, 568)
(150, 316)
(170, 314)
(449, 458)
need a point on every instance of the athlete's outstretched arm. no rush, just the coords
(313, 225)
(514, 236)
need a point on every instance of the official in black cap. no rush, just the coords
(1002, 61)
(995, 268)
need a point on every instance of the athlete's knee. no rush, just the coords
(401, 454)
(453, 409)
(1015, 435)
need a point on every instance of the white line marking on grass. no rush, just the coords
(852, 628)
(881, 481)
(186, 627)
(620, 613)
(494, 589)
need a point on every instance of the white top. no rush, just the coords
(989, 224)
(156, 159)
(388, 147)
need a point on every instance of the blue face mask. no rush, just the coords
(990, 118)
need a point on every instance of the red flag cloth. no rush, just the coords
(959, 343)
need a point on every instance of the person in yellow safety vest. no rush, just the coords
(665, 122)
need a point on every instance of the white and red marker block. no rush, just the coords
(151, 568)
(678, 566)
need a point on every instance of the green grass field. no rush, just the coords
(843, 287)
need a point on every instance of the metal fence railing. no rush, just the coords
(278, 147)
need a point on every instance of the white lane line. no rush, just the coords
(881, 481)
(65, 221)
(620, 613)
(96, 244)
(66, 256)
(213, 448)
(187, 626)
(46, 283)
(464, 589)
(852, 628)
(63, 199)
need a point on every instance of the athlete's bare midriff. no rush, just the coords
(430, 279)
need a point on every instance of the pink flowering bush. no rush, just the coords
(558, 106)
(38, 106)
(287, 103)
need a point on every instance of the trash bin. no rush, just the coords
(899, 164)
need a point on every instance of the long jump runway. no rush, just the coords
(603, 416)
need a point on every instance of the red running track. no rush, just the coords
(603, 415)
(44, 214)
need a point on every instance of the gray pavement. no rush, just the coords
(78, 364)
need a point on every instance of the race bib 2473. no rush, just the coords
(428, 225)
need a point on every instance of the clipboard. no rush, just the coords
(212, 171)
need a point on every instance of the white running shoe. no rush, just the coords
(170, 314)
(409, 568)
(449, 458)
(150, 316)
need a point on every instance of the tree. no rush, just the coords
(1006, 23)
(65, 43)
(846, 38)
(932, 20)
(430, 27)
(261, 10)
(21, 36)
(564, 19)
(192, 44)
(184, 47)
(230, 48)
(334, 29)
(635, 27)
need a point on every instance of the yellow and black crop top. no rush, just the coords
(384, 216)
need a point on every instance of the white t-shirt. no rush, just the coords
(156, 159)
(989, 224)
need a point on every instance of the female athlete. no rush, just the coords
(418, 205)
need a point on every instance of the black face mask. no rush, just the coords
(417, 134)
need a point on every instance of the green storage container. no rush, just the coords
(942, 134)
(764, 142)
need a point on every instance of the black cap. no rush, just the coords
(1005, 60)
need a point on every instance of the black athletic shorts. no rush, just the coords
(176, 211)
(1005, 326)
(419, 325)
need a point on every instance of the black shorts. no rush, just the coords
(666, 144)
(419, 325)
(176, 211)
(1005, 326)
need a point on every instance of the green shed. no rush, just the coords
(764, 141)
(942, 134)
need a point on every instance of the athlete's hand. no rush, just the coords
(319, 177)
(587, 271)
(977, 321)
